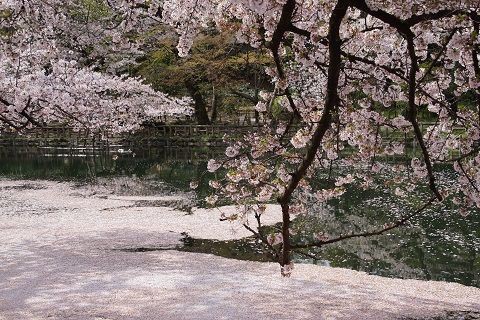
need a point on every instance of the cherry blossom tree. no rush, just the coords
(340, 66)
(60, 63)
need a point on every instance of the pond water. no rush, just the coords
(438, 245)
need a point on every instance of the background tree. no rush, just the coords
(219, 74)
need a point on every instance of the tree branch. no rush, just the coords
(392, 226)
(412, 116)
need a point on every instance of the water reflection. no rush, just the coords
(439, 245)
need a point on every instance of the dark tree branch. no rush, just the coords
(274, 252)
(466, 155)
(245, 96)
(438, 56)
(388, 18)
(403, 28)
(445, 13)
(475, 52)
(472, 183)
(5, 102)
(412, 116)
(331, 100)
(392, 226)
(394, 71)
(30, 118)
(283, 25)
(334, 39)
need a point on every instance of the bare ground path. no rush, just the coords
(59, 260)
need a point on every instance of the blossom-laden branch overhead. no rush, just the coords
(60, 63)
(341, 68)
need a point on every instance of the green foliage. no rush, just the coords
(217, 65)
(91, 10)
(214, 59)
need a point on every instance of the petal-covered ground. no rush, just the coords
(60, 259)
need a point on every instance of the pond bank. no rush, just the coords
(62, 259)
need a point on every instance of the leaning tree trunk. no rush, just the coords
(217, 102)
(331, 102)
(200, 105)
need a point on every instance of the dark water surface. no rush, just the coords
(438, 245)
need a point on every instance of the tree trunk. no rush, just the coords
(331, 102)
(476, 63)
(285, 258)
(200, 106)
(217, 101)
(257, 117)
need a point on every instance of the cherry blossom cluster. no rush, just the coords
(60, 60)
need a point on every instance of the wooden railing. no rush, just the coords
(158, 136)
(154, 136)
(197, 130)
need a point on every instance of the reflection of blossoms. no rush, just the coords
(419, 168)
(327, 194)
(274, 239)
(344, 180)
